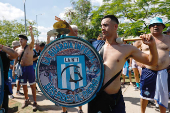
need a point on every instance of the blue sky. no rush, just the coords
(14, 10)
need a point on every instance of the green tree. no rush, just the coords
(136, 11)
(9, 30)
(79, 15)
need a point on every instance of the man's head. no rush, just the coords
(167, 31)
(109, 26)
(42, 45)
(100, 37)
(23, 39)
(15, 44)
(75, 29)
(156, 25)
(36, 46)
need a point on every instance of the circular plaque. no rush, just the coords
(70, 71)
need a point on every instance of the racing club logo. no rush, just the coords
(71, 72)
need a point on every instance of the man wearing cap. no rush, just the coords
(27, 67)
(153, 82)
(15, 44)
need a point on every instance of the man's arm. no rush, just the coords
(71, 33)
(36, 58)
(152, 58)
(32, 38)
(48, 39)
(13, 70)
(11, 53)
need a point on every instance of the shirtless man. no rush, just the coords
(115, 56)
(158, 72)
(27, 68)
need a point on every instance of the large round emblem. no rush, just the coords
(69, 71)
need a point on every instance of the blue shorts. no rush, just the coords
(12, 80)
(148, 83)
(28, 74)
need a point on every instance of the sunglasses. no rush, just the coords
(157, 24)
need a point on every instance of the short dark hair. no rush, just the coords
(42, 44)
(23, 36)
(112, 17)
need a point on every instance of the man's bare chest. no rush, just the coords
(161, 46)
(115, 55)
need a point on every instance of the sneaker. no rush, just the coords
(11, 96)
(37, 89)
(80, 111)
(64, 112)
(136, 89)
(157, 109)
(57, 104)
(152, 102)
(19, 93)
(35, 106)
(26, 103)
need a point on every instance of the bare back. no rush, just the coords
(163, 48)
(27, 58)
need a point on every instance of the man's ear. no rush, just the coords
(116, 26)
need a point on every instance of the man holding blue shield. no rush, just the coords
(114, 57)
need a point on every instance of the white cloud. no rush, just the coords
(96, 2)
(66, 9)
(9, 12)
(43, 30)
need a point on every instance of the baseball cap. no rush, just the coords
(15, 43)
(156, 20)
(23, 36)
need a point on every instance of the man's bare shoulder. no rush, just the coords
(19, 48)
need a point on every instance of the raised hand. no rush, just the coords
(57, 18)
(147, 39)
(30, 28)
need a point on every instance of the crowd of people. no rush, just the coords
(148, 58)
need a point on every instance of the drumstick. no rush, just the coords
(121, 39)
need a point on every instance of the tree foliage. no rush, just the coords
(79, 15)
(137, 12)
(9, 30)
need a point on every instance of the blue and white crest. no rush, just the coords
(70, 71)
